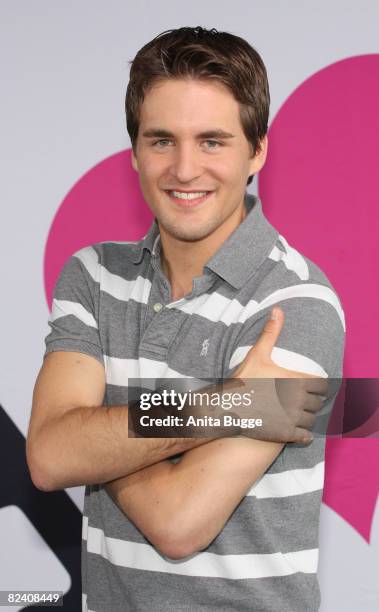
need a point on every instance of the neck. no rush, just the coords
(182, 261)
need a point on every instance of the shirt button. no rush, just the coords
(157, 307)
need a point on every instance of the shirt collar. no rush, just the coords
(246, 248)
(148, 242)
(240, 256)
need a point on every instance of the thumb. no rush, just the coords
(270, 334)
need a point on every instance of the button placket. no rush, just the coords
(160, 334)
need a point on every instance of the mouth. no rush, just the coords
(188, 199)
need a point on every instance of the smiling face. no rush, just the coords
(191, 141)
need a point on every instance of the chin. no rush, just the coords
(188, 235)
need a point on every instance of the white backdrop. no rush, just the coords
(64, 72)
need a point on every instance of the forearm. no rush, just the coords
(90, 445)
(182, 507)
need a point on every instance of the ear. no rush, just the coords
(258, 161)
(134, 161)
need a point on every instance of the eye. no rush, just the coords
(215, 143)
(159, 143)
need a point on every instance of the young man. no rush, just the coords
(232, 525)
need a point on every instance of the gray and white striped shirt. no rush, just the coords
(112, 301)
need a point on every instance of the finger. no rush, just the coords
(269, 335)
(306, 421)
(320, 386)
(302, 436)
(313, 403)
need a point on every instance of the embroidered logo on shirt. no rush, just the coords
(204, 347)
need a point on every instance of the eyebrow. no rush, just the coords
(159, 133)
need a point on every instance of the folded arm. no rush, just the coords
(182, 507)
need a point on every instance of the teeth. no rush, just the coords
(188, 196)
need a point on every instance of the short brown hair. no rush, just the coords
(203, 54)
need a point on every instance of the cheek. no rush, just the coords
(229, 167)
(148, 175)
(221, 169)
(154, 168)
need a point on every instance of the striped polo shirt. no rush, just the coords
(112, 301)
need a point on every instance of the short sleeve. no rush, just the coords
(74, 317)
(312, 339)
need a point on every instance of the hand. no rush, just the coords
(288, 400)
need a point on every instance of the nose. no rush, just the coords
(185, 165)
